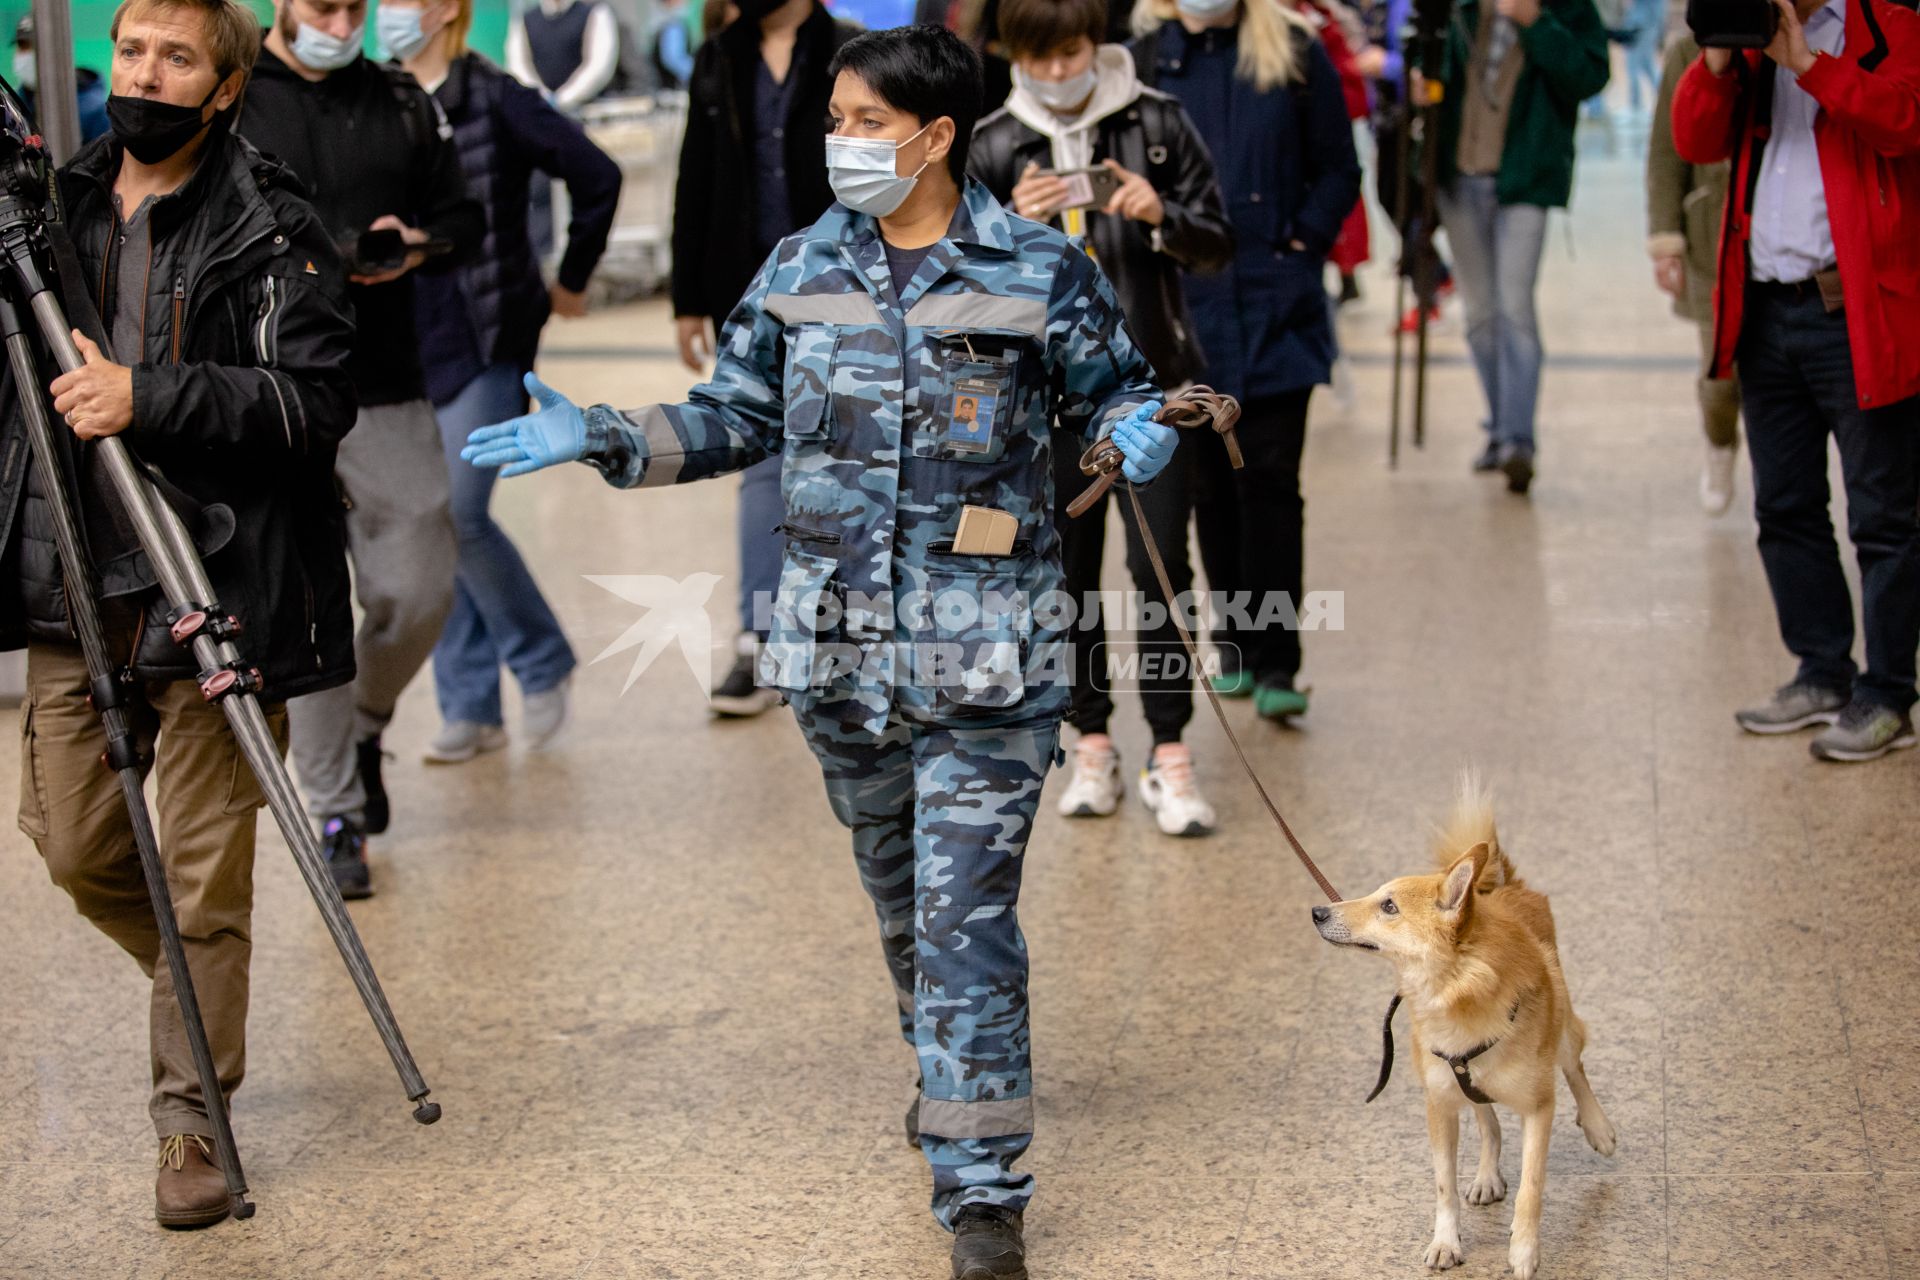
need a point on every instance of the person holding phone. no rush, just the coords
(377, 154)
(1264, 94)
(1084, 145)
(479, 332)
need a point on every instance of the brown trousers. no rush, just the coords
(71, 806)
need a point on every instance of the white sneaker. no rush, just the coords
(1168, 789)
(543, 715)
(461, 740)
(1716, 478)
(1096, 787)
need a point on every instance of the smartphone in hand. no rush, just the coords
(373, 252)
(1089, 188)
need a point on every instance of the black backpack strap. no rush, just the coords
(1146, 59)
(1153, 123)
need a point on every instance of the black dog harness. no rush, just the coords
(1462, 1070)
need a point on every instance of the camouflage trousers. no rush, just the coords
(940, 818)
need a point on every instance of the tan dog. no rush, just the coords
(1479, 969)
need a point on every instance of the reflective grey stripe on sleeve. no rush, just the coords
(823, 308)
(980, 311)
(992, 1118)
(664, 451)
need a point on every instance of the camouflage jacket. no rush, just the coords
(890, 415)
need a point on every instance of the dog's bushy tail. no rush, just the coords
(1469, 823)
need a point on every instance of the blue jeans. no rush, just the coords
(1796, 385)
(1496, 261)
(1648, 18)
(762, 508)
(499, 615)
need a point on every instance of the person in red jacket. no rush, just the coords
(1819, 301)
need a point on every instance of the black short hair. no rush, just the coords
(927, 71)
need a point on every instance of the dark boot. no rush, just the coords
(346, 848)
(988, 1244)
(190, 1191)
(379, 810)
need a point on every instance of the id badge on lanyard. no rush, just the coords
(973, 410)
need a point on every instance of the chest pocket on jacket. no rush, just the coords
(808, 382)
(969, 402)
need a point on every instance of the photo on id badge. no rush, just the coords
(970, 414)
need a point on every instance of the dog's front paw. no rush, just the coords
(1488, 1188)
(1443, 1254)
(1600, 1134)
(1523, 1260)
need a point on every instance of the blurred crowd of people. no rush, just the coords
(323, 278)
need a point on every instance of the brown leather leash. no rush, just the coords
(1195, 407)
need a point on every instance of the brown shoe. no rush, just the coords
(190, 1191)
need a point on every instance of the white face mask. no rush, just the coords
(322, 52)
(401, 32)
(1058, 96)
(26, 70)
(863, 174)
(1205, 10)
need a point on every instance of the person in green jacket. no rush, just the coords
(1515, 76)
(1684, 206)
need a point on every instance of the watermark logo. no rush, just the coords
(1155, 664)
(973, 643)
(676, 615)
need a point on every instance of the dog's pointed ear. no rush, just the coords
(1456, 890)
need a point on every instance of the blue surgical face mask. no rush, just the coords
(322, 52)
(863, 174)
(1059, 96)
(1205, 10)
(400, 32)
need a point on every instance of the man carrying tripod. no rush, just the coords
(229, 334)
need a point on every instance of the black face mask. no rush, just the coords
(153, 131)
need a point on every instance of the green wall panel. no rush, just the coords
(92, 18)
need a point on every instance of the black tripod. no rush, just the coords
(34, 257)
(1419, 125)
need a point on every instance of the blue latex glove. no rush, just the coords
(1147, 445)
(555, 432)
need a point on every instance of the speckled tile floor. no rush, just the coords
(640, 974)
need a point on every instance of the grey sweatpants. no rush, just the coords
(400, 539)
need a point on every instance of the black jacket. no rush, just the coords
(1153, 137)
(368, 141)
(491, 310)
(714, 254)
(1288, 174)
(240, 396)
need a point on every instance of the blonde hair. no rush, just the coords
(457, 28)
(1269, 38)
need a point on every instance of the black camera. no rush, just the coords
(1733, 24)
